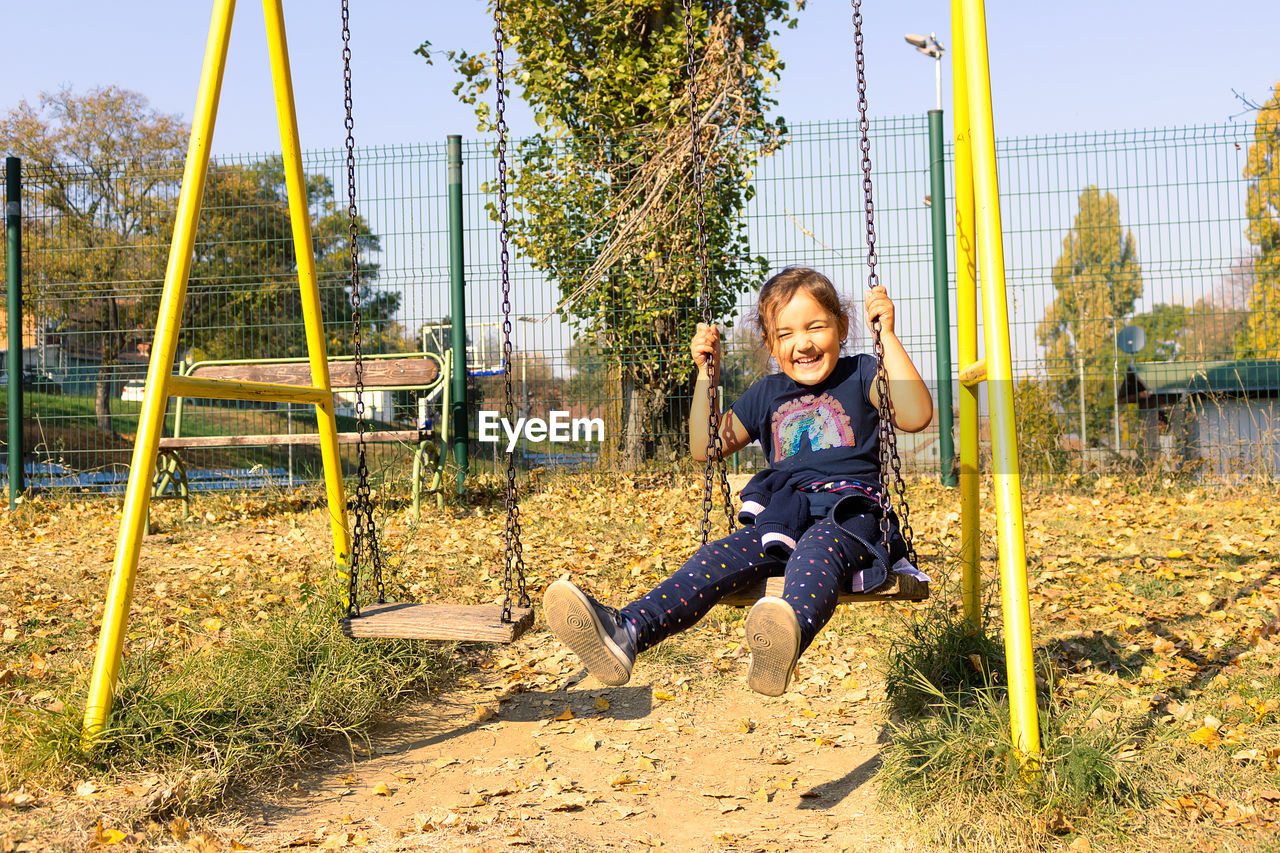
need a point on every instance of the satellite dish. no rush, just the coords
(1132, 339)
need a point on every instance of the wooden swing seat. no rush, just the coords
(899, 587)
(481, 623)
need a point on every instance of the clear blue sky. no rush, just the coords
(1055, 67)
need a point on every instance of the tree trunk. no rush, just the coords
(112, 343)
(102, 398)
(634, 416)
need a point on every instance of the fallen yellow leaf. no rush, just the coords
(587, 744)
(1206, 736)
(109, 836)
(382, 790)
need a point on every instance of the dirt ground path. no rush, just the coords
(547, 759)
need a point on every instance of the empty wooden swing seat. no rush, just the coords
(481, 623)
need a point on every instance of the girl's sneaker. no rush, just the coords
(773, 635)
(598, 635)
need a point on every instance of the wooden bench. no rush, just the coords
(415, 372)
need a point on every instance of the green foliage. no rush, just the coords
(1097, 278)
(938, 651)
(102, 172)
(603, 199)
(589, 377)
(1166, 328)
(1040, 429)
(106, 168)
(1261, 337)
(243, 297)
(746, 359)
(1207, 329)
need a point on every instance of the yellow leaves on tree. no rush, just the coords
(1262, 334)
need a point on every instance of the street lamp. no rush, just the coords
(936, 201)
(524, 361)
(1084, 433)
(1115, 380)
(929, 46)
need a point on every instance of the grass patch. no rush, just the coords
(232, 712)
(953, 768)
(949, 760)
(938, 652)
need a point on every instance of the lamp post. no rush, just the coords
(1115, 381)
(929, 46)
(1084, 433)
(524, 386)
(937, 203)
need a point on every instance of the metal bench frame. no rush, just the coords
(390, 372)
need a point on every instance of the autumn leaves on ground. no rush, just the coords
(245, 721)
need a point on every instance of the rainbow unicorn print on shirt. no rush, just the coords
(810, 423)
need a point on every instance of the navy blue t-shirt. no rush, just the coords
(817, 432)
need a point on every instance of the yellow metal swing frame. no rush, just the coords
(979, 246)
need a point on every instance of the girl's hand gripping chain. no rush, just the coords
(912, 402)
(880, 306)
(705, 349)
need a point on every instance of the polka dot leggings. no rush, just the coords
(823, 562)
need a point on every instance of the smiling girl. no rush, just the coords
(813, 516)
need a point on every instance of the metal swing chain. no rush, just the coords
(715, 468)
(364, 539)
(513, 557)
(888, 444)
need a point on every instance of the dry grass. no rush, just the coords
(1155, 615)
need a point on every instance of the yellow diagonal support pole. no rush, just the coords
(160, 384)
(1004, 439)
(300, 218)
(966, 330)
(115, 616)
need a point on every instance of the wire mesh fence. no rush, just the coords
(1139, 315)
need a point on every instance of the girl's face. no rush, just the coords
(806, 339)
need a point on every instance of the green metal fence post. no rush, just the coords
(458, 309)
(941, 297)
(13, 262)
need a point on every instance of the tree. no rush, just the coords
(746, 359)
(1097, 279)
(603, 199)
(1165, 328)
(242, 293)
(1206, 330)
(103, 167)
(1261, 337)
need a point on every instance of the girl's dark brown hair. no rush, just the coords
(780, 289)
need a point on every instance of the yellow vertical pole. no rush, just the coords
(967, 328)
(300, 219)
(1004, 440)
(115, 616)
